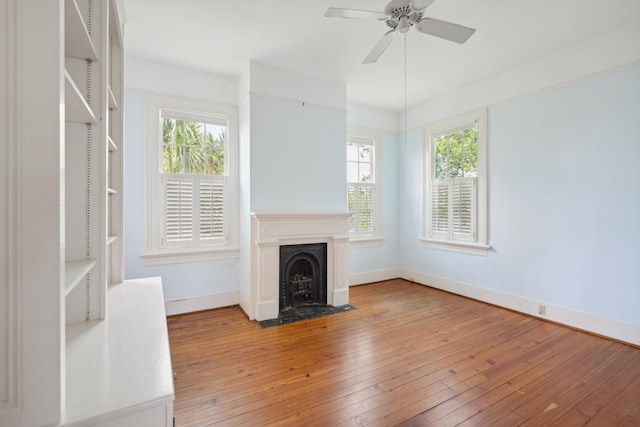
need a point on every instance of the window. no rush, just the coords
(455, 196)
(192, 196)
(362, 193)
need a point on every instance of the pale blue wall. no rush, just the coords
(298, 157)
(384, 256)
(178, 280)
(563, 198)
(564, 203)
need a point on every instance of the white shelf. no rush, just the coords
(115, 29)
(112, 145)
(122, 364)
(77, 41)
(76, 108)
(113, 103)
(111, 239)
(75, 271)
(111, 191)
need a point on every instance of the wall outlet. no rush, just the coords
(542, 310)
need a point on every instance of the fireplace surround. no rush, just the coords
(271, 231)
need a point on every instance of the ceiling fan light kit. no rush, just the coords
(400, 16)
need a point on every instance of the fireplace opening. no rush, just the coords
(303, 276)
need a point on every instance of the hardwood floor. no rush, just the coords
(408, 355)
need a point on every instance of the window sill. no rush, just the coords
(470, 248)
(184, 255)
(365, 241)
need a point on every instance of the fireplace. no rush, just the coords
(303, 275)
(318, 262)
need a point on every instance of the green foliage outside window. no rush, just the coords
(456, 154)
(192, 147)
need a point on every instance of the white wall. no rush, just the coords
(157, 77)
(601, 53)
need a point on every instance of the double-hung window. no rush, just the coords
(363, 198)
(455, 196)
(191, 181)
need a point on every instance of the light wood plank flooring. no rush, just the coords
(408, 355)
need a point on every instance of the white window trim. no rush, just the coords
(480, 245)
(155, 253)
(375, 239)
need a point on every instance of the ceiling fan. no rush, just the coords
(400, 16)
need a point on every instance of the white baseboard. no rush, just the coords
(204, 302)
(373, 276)
(246, 307)
(588, 322)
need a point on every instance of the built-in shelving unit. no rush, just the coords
(115, 137)
(84, 160)
(80, 350)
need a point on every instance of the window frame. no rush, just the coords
(364, 136)
(156, 252)
(478, 244)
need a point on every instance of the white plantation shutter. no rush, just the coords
(440, 209)
(178, 210)
(361, 205)
(462, 208)
(211, 208)
(352, 203)
(194, 210)
(365, 209)
(453, 209)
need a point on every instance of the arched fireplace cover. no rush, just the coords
(303, 275)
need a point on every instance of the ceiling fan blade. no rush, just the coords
(422, 4)
(380, 47)
(445, 30)
(335, 12)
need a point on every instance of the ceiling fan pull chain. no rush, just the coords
(405, 90)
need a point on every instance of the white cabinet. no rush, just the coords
(72, 334)
(123, 361)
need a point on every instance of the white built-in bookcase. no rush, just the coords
(63, 213)
(78, 345)
(93, 156)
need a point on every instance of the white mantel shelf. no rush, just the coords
(270, 230)
(119, 369)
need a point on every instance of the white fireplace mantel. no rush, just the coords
(271, 230)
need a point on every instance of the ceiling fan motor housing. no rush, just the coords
(401, 15)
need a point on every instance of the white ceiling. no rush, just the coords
(221, 36)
